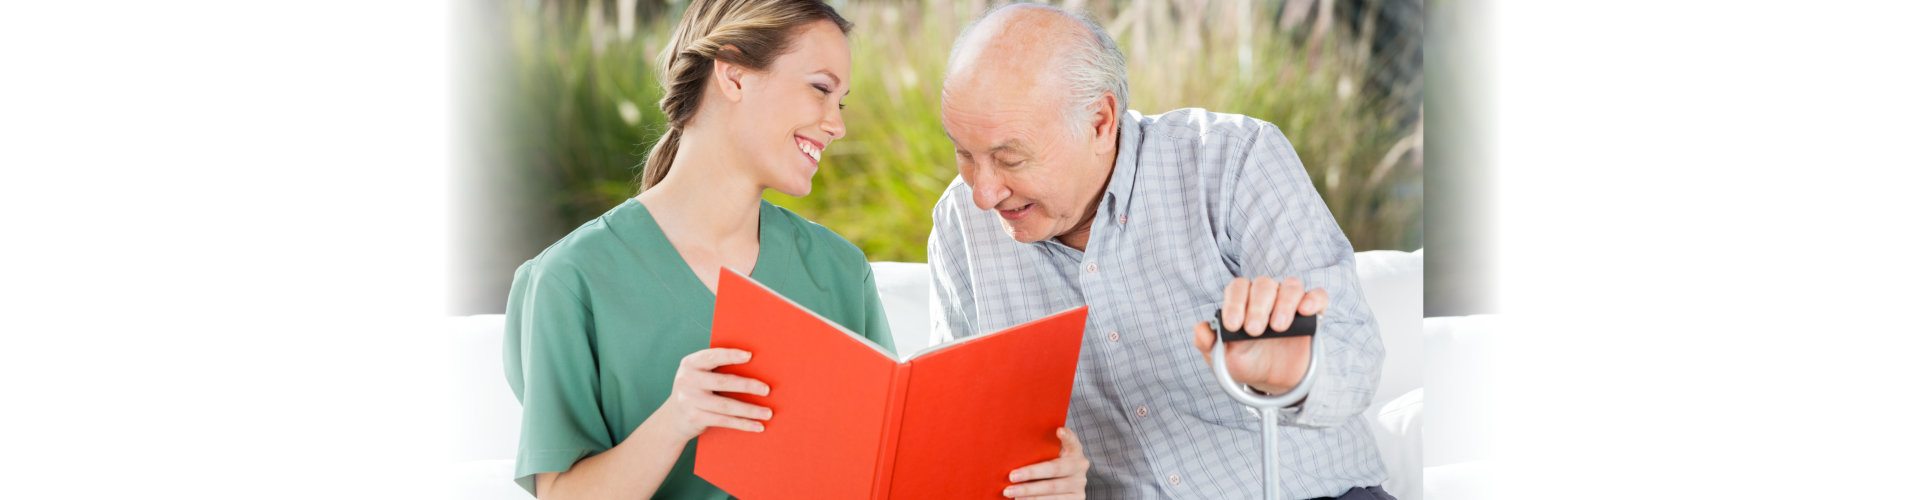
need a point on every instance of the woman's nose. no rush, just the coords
(833, 125)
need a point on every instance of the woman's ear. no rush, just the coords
(730, 77)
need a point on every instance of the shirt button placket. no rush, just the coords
(1173, 479)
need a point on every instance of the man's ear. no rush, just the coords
(729, 77)
(1106, 123)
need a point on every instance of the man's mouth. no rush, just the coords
(1018, 213)
(810, 148)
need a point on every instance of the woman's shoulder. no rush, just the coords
(593, 248)
(820, 247)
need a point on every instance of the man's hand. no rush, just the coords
(1272, 366)
(1058, 479)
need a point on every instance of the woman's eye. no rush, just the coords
(822, 89)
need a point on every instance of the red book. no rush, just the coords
(852, 421)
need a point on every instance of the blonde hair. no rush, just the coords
(745, 33)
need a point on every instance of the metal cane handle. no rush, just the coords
(1239, 391)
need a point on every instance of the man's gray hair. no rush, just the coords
(1091, 65)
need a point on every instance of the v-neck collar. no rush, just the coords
(771, 266)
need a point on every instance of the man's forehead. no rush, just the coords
(1009, 143)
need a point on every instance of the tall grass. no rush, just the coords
(582, 106)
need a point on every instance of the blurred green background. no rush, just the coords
(563, 110)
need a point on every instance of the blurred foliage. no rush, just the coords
(582, 108)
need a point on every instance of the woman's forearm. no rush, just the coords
(632, 469)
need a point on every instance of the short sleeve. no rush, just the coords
(874, 314)
(550, 364)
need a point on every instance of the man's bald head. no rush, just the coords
(1039, 48)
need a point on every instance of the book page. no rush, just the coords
(977, 410)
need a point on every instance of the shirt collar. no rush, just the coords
(1125, 164)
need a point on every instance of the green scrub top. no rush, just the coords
(598, 322)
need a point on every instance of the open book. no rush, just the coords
(852, 421)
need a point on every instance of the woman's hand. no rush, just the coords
(694, 405)
(1058, 479)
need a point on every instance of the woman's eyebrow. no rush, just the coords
(829, 73)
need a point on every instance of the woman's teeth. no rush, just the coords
(812, 152)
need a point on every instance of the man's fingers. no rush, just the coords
(1063, 496)
(1291, 290)
(1260, 305)
(1234, 310)
(1069, 443)
(1038, 489)
(1044, 470)
(1203, 340)
(1315, 303)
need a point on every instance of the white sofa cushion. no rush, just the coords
(487, 423)
(1459, 350)
(1392, 282)
(906, 291)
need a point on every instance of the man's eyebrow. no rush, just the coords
(1006, 145)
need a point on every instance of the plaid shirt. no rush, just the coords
(1196, 199)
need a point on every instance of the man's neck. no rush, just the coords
(1081, 233)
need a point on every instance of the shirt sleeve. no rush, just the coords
(550, 365)
(1278, 226)
(875, 315)
(951, 303)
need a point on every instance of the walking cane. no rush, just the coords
(1267, 405)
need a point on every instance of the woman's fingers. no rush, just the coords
(706, 360)
(730, 407)
(724, 382)
(708, 420)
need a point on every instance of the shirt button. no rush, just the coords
(1141, 411)
(1174, 479)
(1123, 219)
(1113, 336)
(1092, 267)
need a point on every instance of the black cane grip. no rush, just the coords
(1303, 326)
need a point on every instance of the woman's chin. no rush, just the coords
(796, 189)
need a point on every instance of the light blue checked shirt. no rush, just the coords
(1196, 198)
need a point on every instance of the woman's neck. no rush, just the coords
(707, 196)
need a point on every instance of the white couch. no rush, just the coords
(488, 418)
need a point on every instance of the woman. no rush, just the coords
(607, 329)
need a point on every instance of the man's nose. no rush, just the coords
(988, 188)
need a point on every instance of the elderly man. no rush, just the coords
(1066, 198)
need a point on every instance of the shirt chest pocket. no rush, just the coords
(1199, 393)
